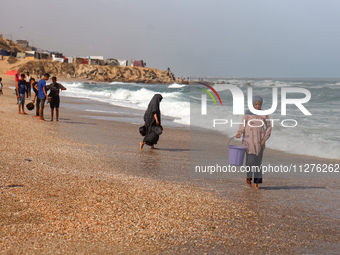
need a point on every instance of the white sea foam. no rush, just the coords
(123, 83)
(175, 86)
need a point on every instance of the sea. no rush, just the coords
(314, 135)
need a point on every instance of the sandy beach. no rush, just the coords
(82, 186)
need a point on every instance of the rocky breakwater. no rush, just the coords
(99, 73)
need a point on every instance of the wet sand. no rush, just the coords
(83, 186)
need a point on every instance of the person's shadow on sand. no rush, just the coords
(12, 186)
(164, 149)
(290, 187)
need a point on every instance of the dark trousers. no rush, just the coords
(28, 90)
(37, 106)
(253, 163)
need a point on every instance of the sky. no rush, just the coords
(217, 38)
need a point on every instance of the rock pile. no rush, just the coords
(99, 73)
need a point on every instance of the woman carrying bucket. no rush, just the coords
(256, 129)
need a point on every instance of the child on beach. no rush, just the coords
(55, 88)
(28, 79)
(42, 95)
(21, 90)
(17, 79)
(36, 98)
(256, 129)
(1, 93)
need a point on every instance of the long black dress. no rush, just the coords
(153, 108)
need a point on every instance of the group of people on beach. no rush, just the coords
(25, 83)
(254, 135)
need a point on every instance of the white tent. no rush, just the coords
(54, 58)
(123, 62)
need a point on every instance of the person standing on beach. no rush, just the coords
(42, 95)
(21, 90)
(36, 99)
(55, 88)
(1, 86)
(256, 135)
(28, 79)
(152, 117)
(17, 79)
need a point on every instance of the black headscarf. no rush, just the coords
(153, 108)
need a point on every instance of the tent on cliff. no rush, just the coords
(112, 62)
(123, 62)
(69, 59)
(21, 55)
(139, 63)
(5, 52)
(43, 55)
(95, 60)
(80, 60)
(56, 54)
(116, 62)
(58, 59)
(30, 54)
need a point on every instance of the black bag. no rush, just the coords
(142, 130)
(30, 106)
(158, 130)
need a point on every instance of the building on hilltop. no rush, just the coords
(22, 43)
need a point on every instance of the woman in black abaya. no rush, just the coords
(152, 117)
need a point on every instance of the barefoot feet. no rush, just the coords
(141, 145)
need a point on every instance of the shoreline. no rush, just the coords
(88, 188)
(67, 100)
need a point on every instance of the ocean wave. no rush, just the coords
(176, 85)
(312, 145)
(295, 141)
(172, 104)
(123, 83)
(271, 83)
